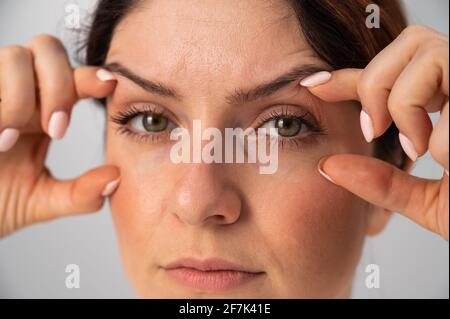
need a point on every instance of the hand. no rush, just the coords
(404, 82)
(38, 89)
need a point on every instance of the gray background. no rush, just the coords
(414, 263)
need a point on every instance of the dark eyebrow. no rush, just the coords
(240, 96)
(147, 85)
(269, 88)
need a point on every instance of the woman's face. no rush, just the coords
(203, 60)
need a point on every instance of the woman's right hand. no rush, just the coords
(38, 89)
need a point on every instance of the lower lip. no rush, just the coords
(211, 280)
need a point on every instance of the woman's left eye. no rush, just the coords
(150, 123)
(286, 126)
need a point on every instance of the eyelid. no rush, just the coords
(287, 110)
(135, 109)
(123, 119)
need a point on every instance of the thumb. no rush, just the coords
(84, 194)
(340, 85)
(387, 186)
(93, 82)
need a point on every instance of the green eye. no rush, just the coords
(287, 126)
(152, 122)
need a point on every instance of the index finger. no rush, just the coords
(340, 86)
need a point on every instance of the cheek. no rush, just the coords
(323, 224)
(136, 205)
(313, 231)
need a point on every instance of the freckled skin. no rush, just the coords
(305, 233)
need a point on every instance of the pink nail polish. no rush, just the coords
(58, 124)
(8, 137)
(408, 147)
(104, 75)
(366, 126)
(316, 79)
(320, 168)
(110, 188)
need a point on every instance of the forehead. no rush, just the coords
(205, 40)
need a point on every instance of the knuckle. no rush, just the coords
(16, 114)
(416, 30)
(45, 40)
(386, 183)
(433, 51)
(14, 53)
(14, 119)
(365, 84)
(59, 92)
(396, 103)
(55, 87)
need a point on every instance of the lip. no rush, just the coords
(212, 274)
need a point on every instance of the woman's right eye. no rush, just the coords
(144, 123)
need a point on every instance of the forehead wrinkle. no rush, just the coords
(192, 44)
(206, 63)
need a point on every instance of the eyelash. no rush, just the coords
(304, 117)
(123, 118)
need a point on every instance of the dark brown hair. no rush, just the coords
(335, 29)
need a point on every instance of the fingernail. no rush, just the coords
(320, 168)
(110, 188)
(104, 75)
(316, 79)
(408, 147)
(8, 138)
(58, 125)
(366, 126)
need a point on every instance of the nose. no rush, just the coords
(201, 196)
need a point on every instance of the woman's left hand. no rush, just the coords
(403, 83)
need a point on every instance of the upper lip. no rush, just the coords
(210, 264)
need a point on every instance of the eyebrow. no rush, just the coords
(240, 96)
(270, 88)
(147, 85)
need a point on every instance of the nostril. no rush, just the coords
(219, 219)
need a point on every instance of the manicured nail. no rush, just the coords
(104, 75)
(316, 79)
(110, 188)
(57, 126)
(408, 147)
(8, 138)
(320, 168)
(366, 126)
